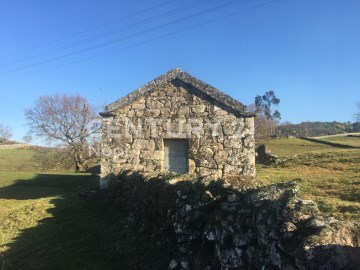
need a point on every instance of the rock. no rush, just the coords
(207, 196)
(216, 226)
(185, 264)
(301, 210)
(288, 227)
(269, 227)
(231, 258)
(239, 240)
(317, 223)
(232, 198)
(334, 247)
(264, 156)
(173, 264)
(211, 236)
(273, 193)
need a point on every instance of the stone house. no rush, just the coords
(177, 123)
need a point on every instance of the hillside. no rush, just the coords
(328, 175)
(352, 139)
(17, 159)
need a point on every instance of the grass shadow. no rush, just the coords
(337, 145)
(75, 233)
(46, 185)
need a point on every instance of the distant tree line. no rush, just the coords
(267, 121)
(313, 129)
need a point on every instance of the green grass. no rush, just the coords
(17, 160)
(347, 140)
(329, 176)
(290, 147)
(44, 224)
(33, 208)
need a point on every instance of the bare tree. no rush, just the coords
(27, 138)
(70, 122)
(5, 132)
(264, 127)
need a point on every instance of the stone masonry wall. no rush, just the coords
(221, 142)
(217, 225)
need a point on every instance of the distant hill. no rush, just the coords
(15, 156)
(7, 144)
(315, 129)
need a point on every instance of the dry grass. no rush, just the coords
(329, 176)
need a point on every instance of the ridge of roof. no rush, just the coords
(168, 77)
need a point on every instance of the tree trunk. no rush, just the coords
(80, 162)
(79, 167)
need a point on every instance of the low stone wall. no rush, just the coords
(218, 226)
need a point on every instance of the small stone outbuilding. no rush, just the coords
(177, 123)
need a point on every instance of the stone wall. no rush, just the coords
(221, 142)
(265, 228)
(219, 226)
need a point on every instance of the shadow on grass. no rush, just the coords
(80, 234)
(337, 145)
(47, 185)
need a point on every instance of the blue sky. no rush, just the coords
(306, 51)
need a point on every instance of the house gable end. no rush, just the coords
(178, 76)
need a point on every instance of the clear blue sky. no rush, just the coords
(306, 51)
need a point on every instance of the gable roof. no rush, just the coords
(170, 76)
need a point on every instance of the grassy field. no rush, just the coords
(291, 147)
(44, 224)
(17, 160)
(330, 176)
(353, 140)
